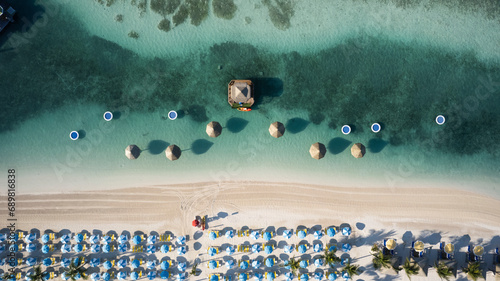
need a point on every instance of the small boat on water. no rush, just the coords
(6, 14)
(244, 109)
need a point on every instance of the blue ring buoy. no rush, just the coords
(440, 119)
(74, 135)
(172, 115)
(376, 127)
(108, 116)
(346, 129)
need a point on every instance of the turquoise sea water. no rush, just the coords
(57, 76)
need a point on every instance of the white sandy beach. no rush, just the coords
(431, 215)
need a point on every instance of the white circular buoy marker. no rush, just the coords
(74, 135)
(108, 116)
(172, 115)
(376, 127)
(346, 129)
(440, 120)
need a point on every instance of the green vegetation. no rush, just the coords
(198, 11)
(443, 271)
(181, 15)
(76, 269)
(194, 270)
(330, 257)
(281, 13)
(164, 25)
(352, 269)
(133, 34)
(293, 264)
(380, 260)
(224, 9)
(410, 268)
(37, 274)
(473, 270)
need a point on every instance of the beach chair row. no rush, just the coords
(80, 237)
(267, 235)
(446, 250)
(268, 248)
(95, 248)
(25, 276)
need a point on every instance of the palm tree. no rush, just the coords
(379, 259)
(352, 269)
(443, 271)
(194, 270)
(473, 270)
(37, 274)
(330, 257)
(410, 268)
(293, 264)
(76, 269)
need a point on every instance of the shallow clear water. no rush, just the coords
(58, 76)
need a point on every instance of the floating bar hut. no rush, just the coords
(240, 93)
(6, 14)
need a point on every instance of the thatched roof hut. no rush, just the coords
(173, 152)
(240, 91)
(277, 129)
(214, 129)
(317, 150)
(358, 150)
(132, 152)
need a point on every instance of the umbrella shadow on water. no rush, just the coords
(82, 134)
(266, 89)
(337, 145)
(156, 147)
(376, 145)
(296, 125)
(236, 124)
(201, 146)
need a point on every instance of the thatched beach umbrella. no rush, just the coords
(277, 129)
(132, 151)
(358, 150)
(214, 129)
(317, 150)
(173, 152)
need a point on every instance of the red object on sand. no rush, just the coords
(196, 223)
